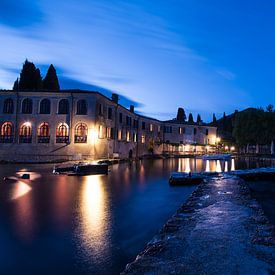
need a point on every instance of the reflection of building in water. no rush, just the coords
(232, 164)
(207, 167)
(218, 167)
(187, 165)
(94, 216)
(75, 124)
(225, 166)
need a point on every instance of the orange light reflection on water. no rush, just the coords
(95, 215)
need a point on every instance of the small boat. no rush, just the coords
(178, 178)
(217, 157)
(81, 169)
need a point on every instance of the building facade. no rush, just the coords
(75, 125)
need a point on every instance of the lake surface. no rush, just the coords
(55, 224)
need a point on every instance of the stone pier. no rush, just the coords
(221, 229)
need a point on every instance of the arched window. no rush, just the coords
(6, 133)
(63, 107)
(80, 133)
(62, 133)
(45, 106)
(27, 106)
(8, 106)
(25, 135)
(43, 133)
(81, 108)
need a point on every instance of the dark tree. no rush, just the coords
(199, 120)
(269, 108)
(16, 85)
(190, 118)
(50, 81)
(30, 78)
(38, 80)
(214, 119)
(181, 116)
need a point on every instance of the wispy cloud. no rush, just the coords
(226, 74)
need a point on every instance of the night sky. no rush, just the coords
(204, 55)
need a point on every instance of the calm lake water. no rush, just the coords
(55, 224)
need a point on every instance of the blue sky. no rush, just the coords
(204, 55)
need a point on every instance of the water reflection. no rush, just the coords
(207, 168)
(199, 165)
(226, 166)
(20, 189)
(218, 167)
(94, 219)
(232, 164)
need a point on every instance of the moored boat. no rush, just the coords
(81, 169)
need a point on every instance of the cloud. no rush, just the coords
(226, 74)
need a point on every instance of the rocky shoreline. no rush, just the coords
(221, 229)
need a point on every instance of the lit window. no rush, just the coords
(119, 134)
(128, 136)
(151, 127)
(101, 133)
(62, 133)
(180, 130)
(6, 133)
(135, 137)
(81, 132)
(143, 139)
(108, 132)
(25, 133)
(159, 128)
(43, 133)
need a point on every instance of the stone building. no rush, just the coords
(76, 124)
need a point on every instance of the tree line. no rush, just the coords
(31, 79)
(181, 117)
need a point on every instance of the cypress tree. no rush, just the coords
(190, 118)
(199, 121)
(181, 116)
(16, 85)
(38, 80)
(214, 119)
(29, 77)
(50, 81)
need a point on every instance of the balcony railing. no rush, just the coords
(62, 139)
(43, 139)
(6, 139)
(80, 139)
(25, 139)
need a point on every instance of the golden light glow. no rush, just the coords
(187, 165)
(218, 139)
(94, 214)
(232, 148)
(27, 124)
(226, 166)
(232, 164)
(207, 168)
(21, 189)
(93, 135)
(218, 167)
(226, 147)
